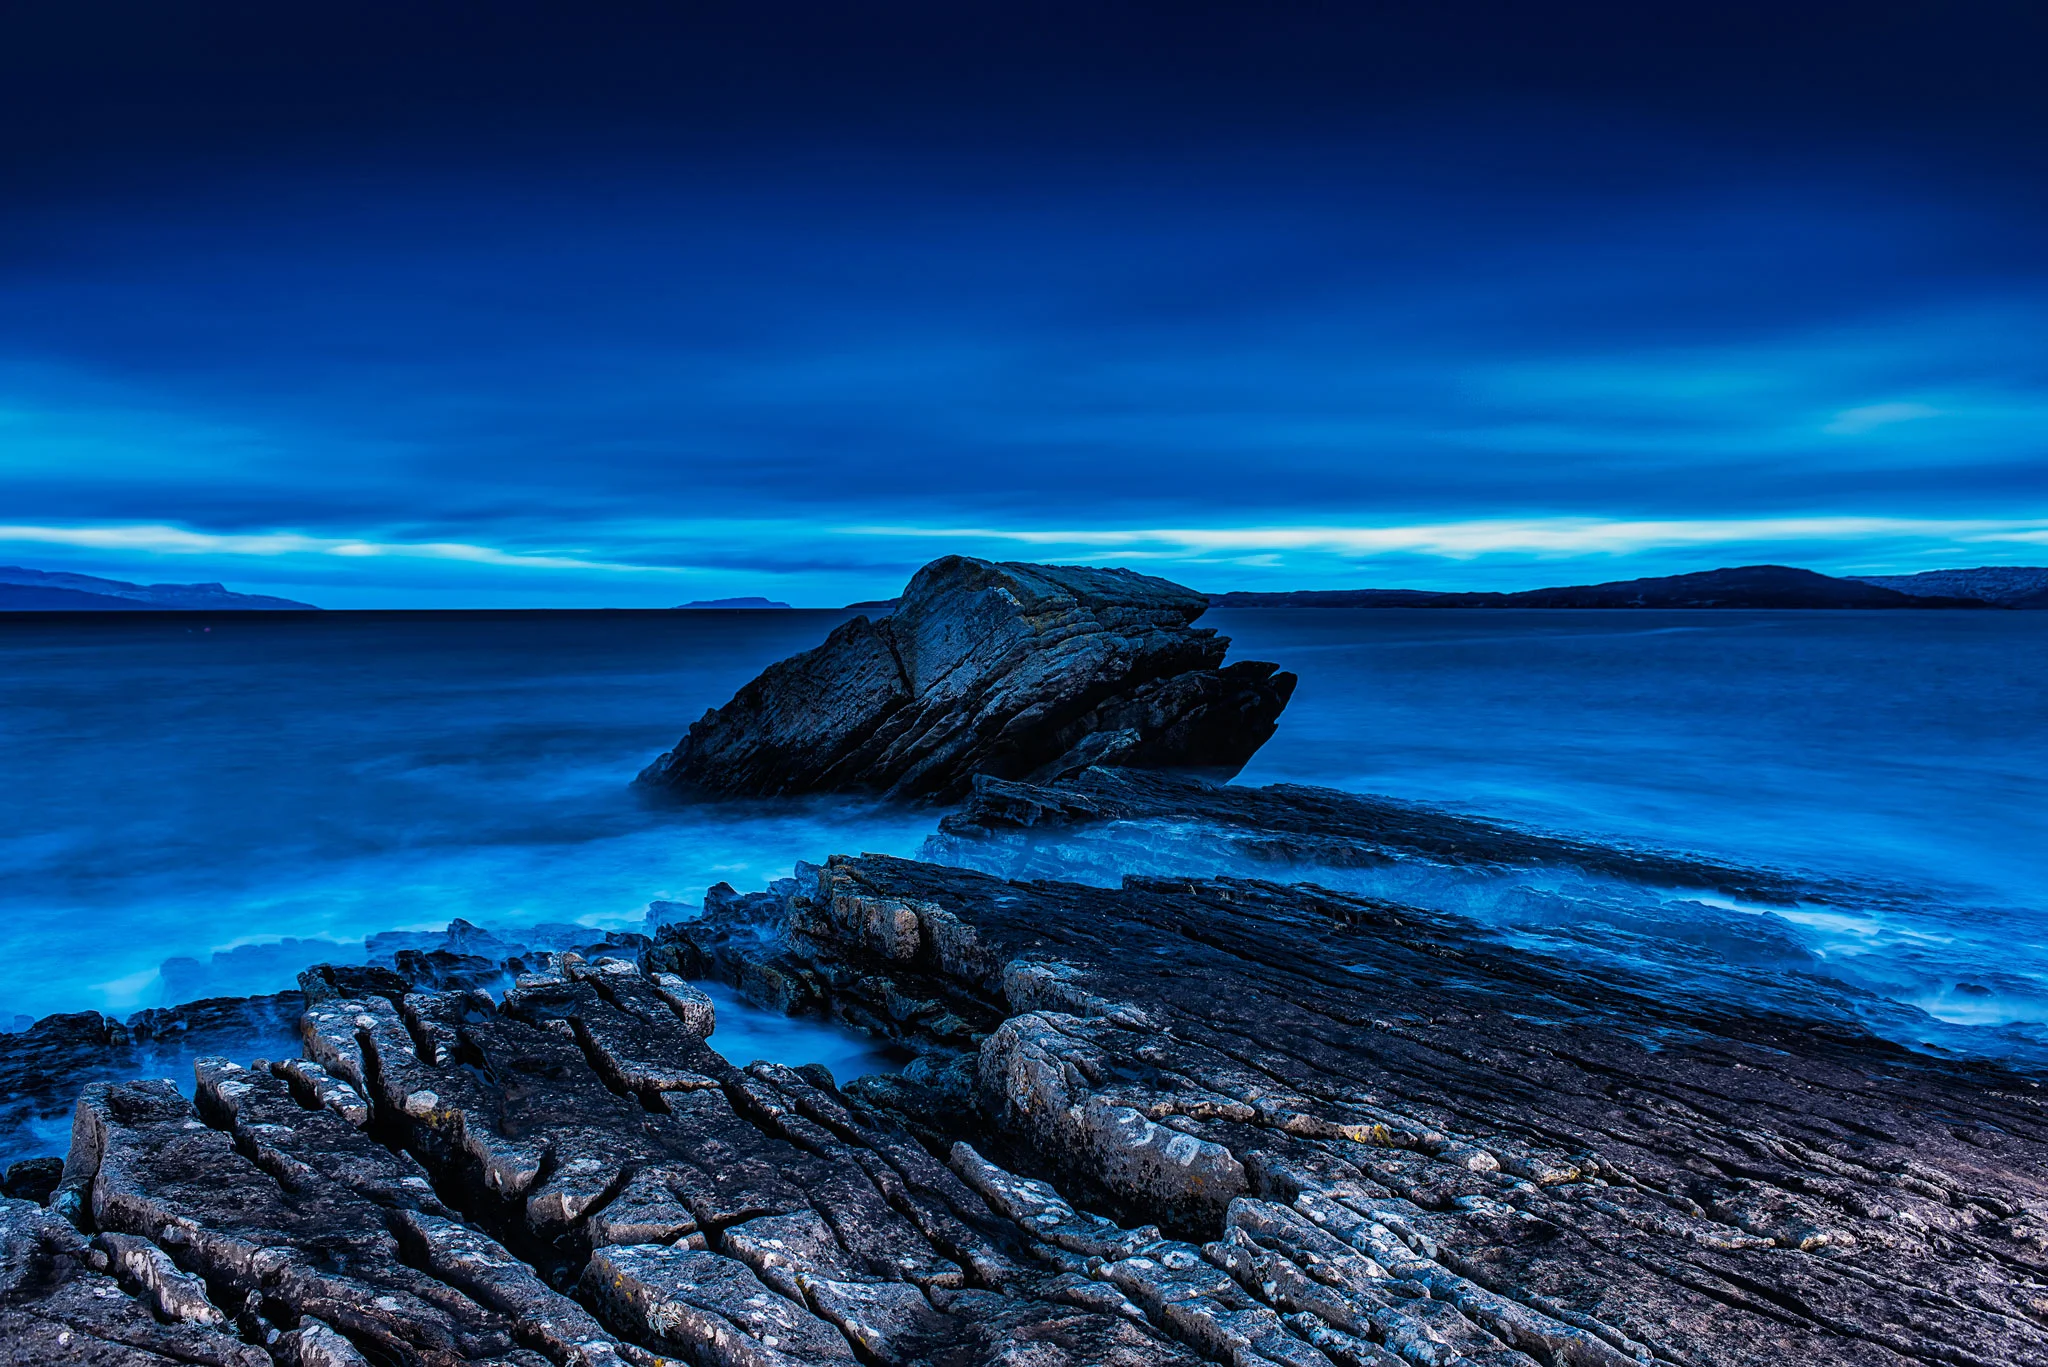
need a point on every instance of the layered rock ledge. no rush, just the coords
(1176, 1121)
(1017, 671)
(1367, 1130)
(1288, 827)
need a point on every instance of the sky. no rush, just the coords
(617, 304)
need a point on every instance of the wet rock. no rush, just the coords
(1424, 1144)
(1020, 671)
(58, 1305)
(1191, 1120)
(1292, 826)
(710, 1308)
(32, 1179)
(447, 1179)
(43, 1067)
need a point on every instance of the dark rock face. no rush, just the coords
(1369, 1135)
(60, 1303)
(42, 1067)
(570, 1176)
(1587, 901)
(1019, 671)
(1179, 1121)
(1184, 1119)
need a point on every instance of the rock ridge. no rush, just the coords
(1181, 1120)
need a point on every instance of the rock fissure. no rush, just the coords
(1464, 1230)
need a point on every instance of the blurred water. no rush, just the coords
(1911, 744)
(206, 789)
(1903, 755)
(189, 789)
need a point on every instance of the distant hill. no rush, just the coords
(1750, 586)
(25, 590)
(2009, 586)
(729, 603)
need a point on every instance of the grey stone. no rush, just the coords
(1017, 671)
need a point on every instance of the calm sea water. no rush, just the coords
(208, 791)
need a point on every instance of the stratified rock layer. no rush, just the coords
(570, 1176)
(1183, 1120)
(1295, 827)
(1019, 671)
(1372, 1135)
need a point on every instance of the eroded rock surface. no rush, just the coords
(1286, 1125)
(568, 1176)
(1021, 671)
(1183, 1120)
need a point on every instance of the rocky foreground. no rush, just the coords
(1178, 1121)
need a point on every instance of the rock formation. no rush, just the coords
(1365, 1134)
(1180, 1121)
(1018, 671)
(1288, 826)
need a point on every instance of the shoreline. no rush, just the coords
(1217, 1076)
(1130, 823)
(1302, 1077)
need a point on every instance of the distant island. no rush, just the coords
(729, 604)
(1750, 586)
(26, 590)
(2009, 586)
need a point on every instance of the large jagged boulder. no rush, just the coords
(1017, 671)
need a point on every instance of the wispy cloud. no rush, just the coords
(1466, 540)
(1853, 421)
(160, 539)
(646, 560)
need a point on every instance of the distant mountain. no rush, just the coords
(25, 590)
(2009, 586)
(882, 605)
(728, 603)
(1751, 586)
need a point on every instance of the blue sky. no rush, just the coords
(1346, 300)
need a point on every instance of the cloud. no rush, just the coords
(1853, 421)
(1558, 536)
(786, 548)
(649, 561)
(158, 539)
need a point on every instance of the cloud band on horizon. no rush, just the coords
(738, 553)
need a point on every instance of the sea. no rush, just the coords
(202, 805)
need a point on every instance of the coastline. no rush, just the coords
(1145, 1068)
(1216, 1074)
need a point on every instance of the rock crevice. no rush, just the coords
(1214, 1120)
